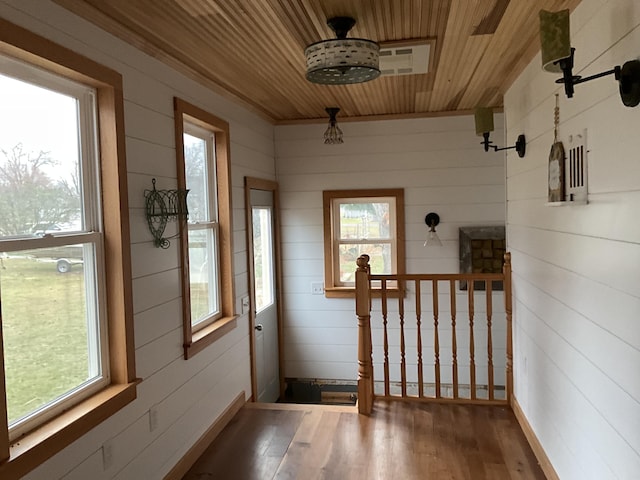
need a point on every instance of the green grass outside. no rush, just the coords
(199, 300)
(44, 330)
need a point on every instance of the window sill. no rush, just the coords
(350, 292)
(36, 447)
(209, 334)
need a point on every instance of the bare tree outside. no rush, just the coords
(29, 196)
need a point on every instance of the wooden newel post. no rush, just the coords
(508, 308)
(363, 311)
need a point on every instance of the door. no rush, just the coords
(262, 238)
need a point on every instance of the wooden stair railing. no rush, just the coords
(406, 334)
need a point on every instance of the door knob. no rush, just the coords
(259, 327)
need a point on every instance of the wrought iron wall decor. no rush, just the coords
(161, 207)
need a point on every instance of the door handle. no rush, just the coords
(258, 327)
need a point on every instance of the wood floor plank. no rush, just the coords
(400, 440)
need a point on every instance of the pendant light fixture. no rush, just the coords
(342, 60)
(333, 134)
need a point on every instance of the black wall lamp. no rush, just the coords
(484, 126)
(557, 57)
(432, 220)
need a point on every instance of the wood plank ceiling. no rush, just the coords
(253, 50)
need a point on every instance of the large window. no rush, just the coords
(65, 294)
(52, 277)
(203, 166)
(358, 222)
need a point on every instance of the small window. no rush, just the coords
(358, 222)
(202, 145)
(262, 257)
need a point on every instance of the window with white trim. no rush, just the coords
(203, 165)
(52, 275)
(66, 346)
(203, 226)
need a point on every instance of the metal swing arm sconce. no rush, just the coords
(627, 75)
(520, 146)
(558, 56)
(484, 127)
(162, 206)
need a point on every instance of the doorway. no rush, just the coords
(263, 247)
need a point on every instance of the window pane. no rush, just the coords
(263, 257)
(195, 159)
(40, 183)
(202, 275)
(380, 259)
(364, 221)
(50, 338)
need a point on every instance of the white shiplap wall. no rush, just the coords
(188, 395)
(577, 295)
(442, 167)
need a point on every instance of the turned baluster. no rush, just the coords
(385, 313)
(419, 338)
(403, 361)
(472, 360)
(454, 341)
(436, 339)
(489, 294)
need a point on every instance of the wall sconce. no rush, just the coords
(484, 126)
(162, 206)
(432, 220)
(557, 57)
(333, 134)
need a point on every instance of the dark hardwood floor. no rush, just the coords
(399, 441)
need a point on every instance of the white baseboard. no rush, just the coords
(535, 444)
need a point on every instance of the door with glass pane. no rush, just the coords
(262, 239)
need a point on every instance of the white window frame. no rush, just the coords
(91, 236)
(109, 235)
(210, 225)
(197, 337)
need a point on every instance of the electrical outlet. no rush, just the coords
(107, 455)
(245, 304)
(317, 288)
(153, 418)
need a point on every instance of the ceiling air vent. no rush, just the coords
(405, 58)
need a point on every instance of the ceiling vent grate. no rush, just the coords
(405, 59)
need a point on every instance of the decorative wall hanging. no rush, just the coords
(161, 207)
(556, 162)
(482, 250)
(576, 191)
